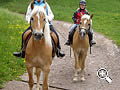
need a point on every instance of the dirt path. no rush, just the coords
(104, 55)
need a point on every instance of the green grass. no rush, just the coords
(106, 13)
(106, 20)
(11, 27)
(15, 5)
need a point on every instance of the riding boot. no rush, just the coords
(69, 41)
(22, 52)
(91, 42)
(59, 53)
(70, 37)
(19, 54)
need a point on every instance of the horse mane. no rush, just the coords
(85, 16)
(38, 9)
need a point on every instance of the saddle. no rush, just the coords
(71, 34)
(54, 40)
(54, 43)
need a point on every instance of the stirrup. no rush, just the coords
(68, 43)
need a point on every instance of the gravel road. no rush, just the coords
(105, 54)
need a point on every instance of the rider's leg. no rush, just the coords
(22, 52)
(71, 33)
(59, 52)
(90, 35)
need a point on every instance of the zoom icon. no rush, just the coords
(102, 73)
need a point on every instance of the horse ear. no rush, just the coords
(32, 4)
(45, 6)
(43, 1)
(91, 16)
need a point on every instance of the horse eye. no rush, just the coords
(32, 18)
(80, 22)
(88, 24)
(44, 20)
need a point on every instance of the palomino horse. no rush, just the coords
(39, 48)
(80, 45)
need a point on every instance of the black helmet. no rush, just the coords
(83, 2)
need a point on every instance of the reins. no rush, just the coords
(87, 32)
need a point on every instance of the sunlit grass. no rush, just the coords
(10, 66)
(106, 13)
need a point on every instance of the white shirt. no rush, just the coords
(29, 10)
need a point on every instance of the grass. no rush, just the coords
(106, 21)
(19, 6)
(11, 27)
(106, 18)
(106, 13)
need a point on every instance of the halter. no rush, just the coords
(87, 31)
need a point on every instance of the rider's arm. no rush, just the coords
(86, 12)
(50, 13)
(74, 17)
(29, 10)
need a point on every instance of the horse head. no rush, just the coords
(85, 25)
(38, 22)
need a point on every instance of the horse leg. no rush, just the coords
(38, 71)
(45, 78)
(79, 63)
(30, 74)
(82, 67)
(76, 67)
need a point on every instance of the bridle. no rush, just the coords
(86, 30)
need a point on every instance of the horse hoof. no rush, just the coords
(82, 79)
(75, 79)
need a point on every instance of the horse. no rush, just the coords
(80, 45)
(38, 52)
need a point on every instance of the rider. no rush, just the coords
(50, 17)
(77, 18)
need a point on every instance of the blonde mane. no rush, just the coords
(38, 9)
(85, 16)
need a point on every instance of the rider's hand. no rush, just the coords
(77, 20)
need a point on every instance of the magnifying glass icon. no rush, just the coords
(102, 73)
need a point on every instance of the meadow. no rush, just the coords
(11, 28)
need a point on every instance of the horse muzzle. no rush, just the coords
(38, 35)
(82, 34)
